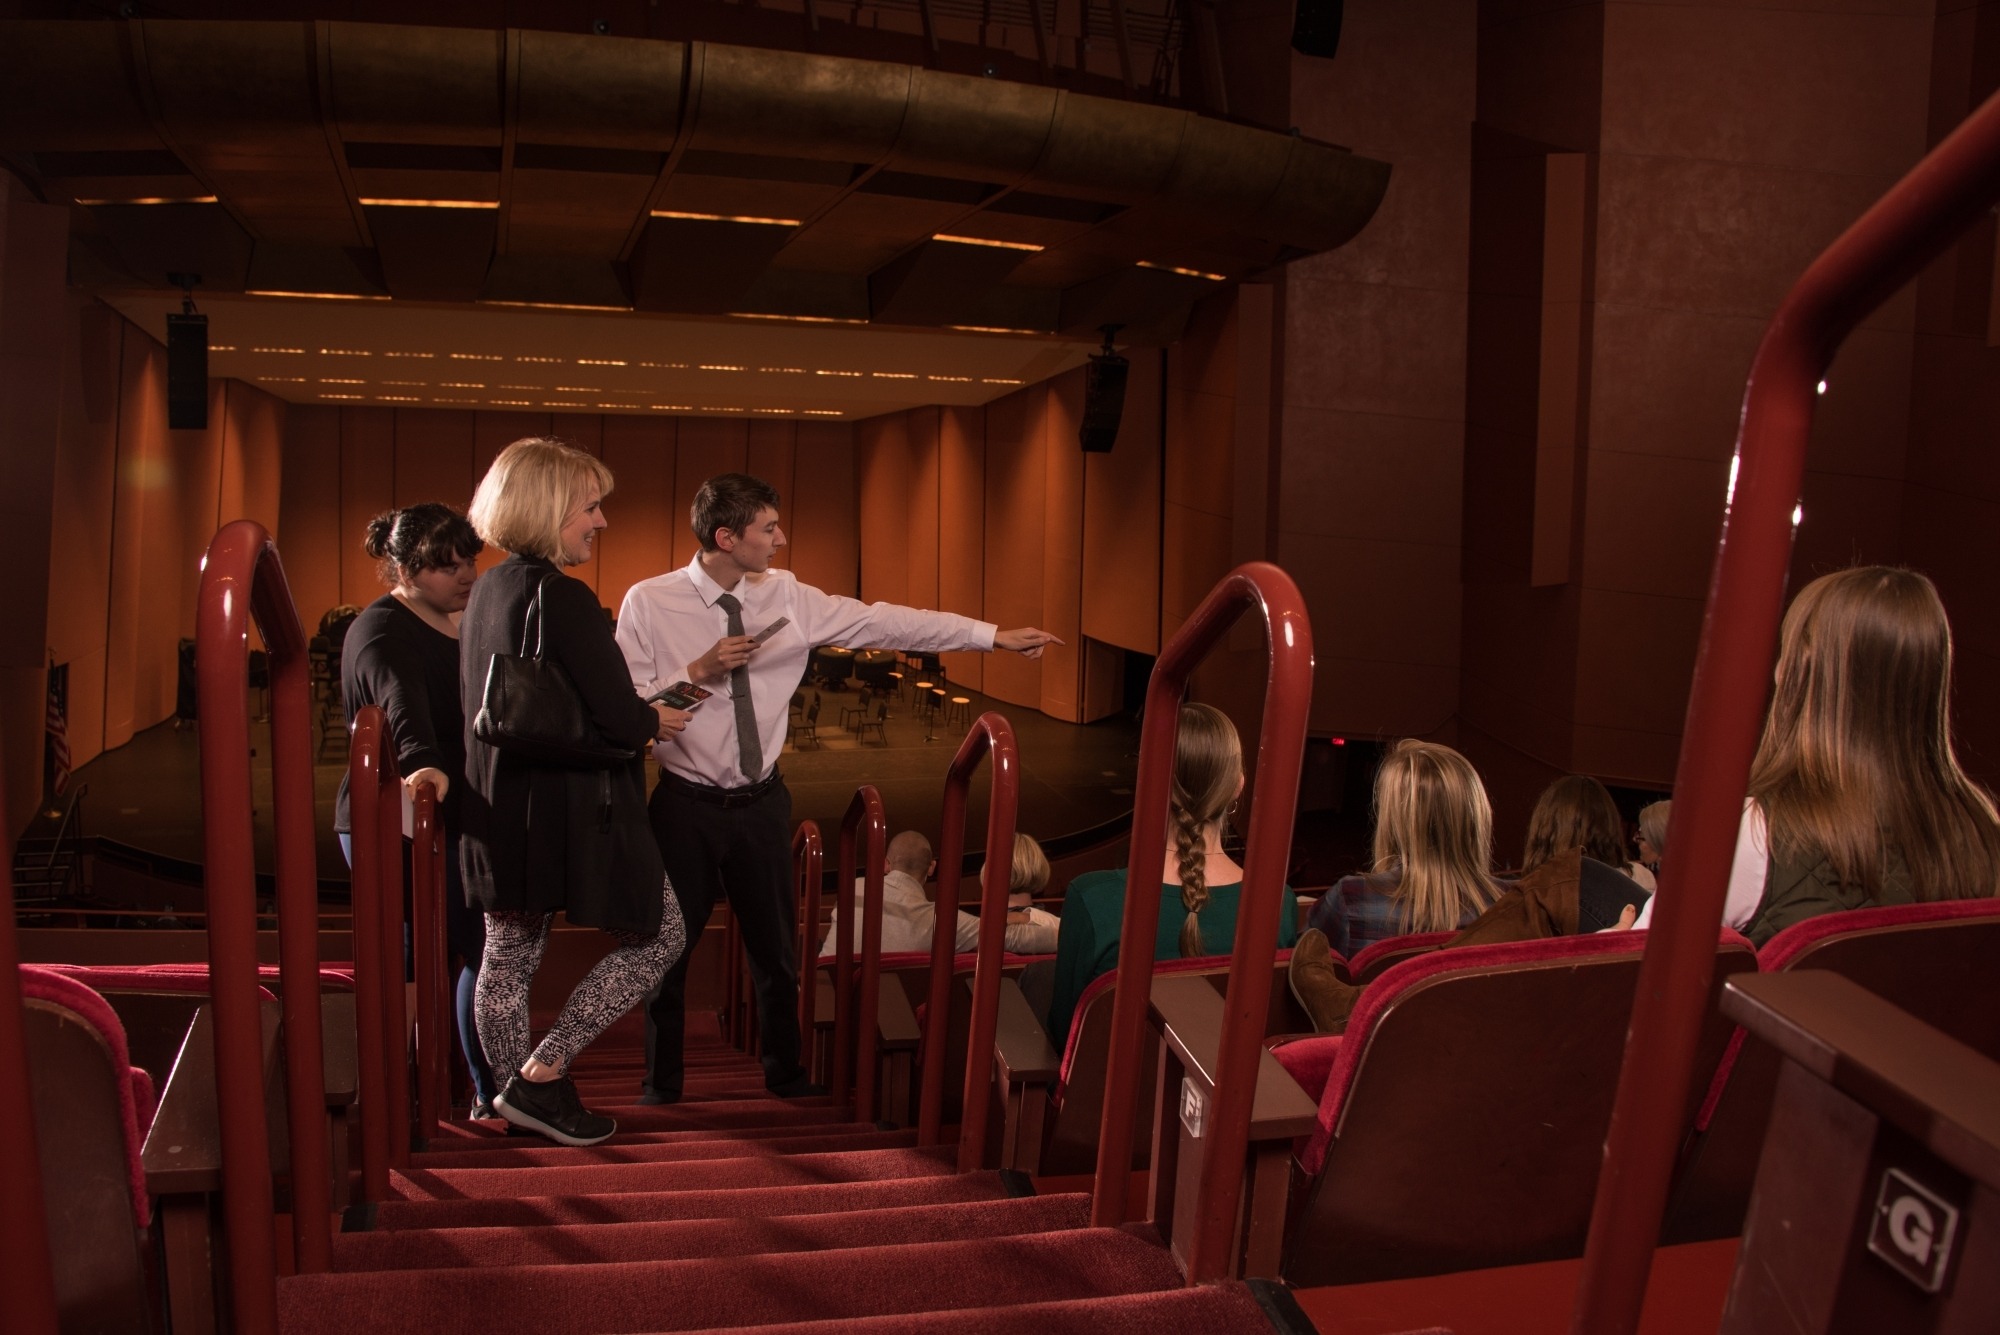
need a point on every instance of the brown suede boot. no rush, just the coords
(1319, 990)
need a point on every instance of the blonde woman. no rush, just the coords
(538, 837)
(1856, 796)
(1200, 884)
(1576, 811)
(1433, 842)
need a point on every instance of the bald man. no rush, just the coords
(908, 917)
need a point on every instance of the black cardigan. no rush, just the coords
(537, 837)
(394, 658)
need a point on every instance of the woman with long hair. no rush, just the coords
(1433, 853)
(1196, 875)
(1576, 811)
(539, 837)
(1856, 796)
(401, 653)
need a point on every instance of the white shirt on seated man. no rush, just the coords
(908, 917)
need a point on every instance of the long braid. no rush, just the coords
(1191, 846)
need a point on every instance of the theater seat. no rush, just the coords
(1933, 961)
(1463, 1113)
(1371, 962)
(92, 1109)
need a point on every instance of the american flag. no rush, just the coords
(58, 731)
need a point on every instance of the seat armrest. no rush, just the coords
(895, 1021)
(1020, 1047)
(1188, 1013)
(183, 1149)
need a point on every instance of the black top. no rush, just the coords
(395, 659)
(540, 837)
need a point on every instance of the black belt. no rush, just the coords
(723, 797)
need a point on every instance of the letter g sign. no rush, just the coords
(1913, 1230)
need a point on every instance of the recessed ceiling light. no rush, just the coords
(672, 408)
(802, 319)
(532, 389)
(316, 296)
(290, 380)
(726, 217)
(327, 381)
(222, 347)
(989, 380)
(780, 411)
(408, 384)
(1185, 273)
(822, 412)
(555, 305)
(424, 355)
(893, 375)
(342, 396)
(578, 389)
(782, 370)
(597, 361)
(398, 398)
(986, 241)
(538, 359)
(951, 379)
(854, 374)
(431, 203)
(717, 366)
(455, 384)
(476, 357)
(709, 409)
(150, 199)
(295, 352)
(344, 352)
(665, 366)
(560, 403)
(454, 400)
(510, 403)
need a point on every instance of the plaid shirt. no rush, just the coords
(1359, 911)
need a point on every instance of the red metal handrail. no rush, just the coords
(1923, 213)
(24, 1235)
(243, 578)
(376, 814)
(864, 810)
(990, 734)
(807, 856)
(431, 946)
(1280, 754)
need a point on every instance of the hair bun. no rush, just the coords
(380, 529)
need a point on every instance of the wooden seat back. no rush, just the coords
(1076, 1105)
(1935, 962)
(90, 1114)
(1463, 1122)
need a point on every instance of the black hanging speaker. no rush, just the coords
(1316, 27)
(1103, 397)
(187, 372)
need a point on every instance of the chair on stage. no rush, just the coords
(851, 715)
(879, 724)
(806, 729)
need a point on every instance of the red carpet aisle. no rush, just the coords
(734, 1209)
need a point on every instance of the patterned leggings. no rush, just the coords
(514, 945)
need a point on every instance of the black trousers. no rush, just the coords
(745, 853)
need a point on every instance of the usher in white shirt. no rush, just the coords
(669, 621)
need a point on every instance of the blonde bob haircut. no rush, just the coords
(1434, 826)
(1031, 867)
(531, 491)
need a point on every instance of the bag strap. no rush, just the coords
(534, 619)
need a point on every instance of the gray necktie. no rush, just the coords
(749, 747)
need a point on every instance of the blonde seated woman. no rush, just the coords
(1856, 796)
(1433, 841)
(1197, 876)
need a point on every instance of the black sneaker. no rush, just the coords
(551, 1108)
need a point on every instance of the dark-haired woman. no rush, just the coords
(402, 653)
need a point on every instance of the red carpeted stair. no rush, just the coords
(734, 1209)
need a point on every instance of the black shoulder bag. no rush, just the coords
(530, 708)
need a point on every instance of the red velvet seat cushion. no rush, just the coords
(1104, 982)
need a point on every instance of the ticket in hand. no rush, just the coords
(680, 695)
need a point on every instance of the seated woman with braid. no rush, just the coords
(1197, 876)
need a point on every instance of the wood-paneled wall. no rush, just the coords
(997, 513)
(345, 465)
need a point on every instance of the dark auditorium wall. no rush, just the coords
(344, 465)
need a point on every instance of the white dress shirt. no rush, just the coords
(908, 919)
(669, 621)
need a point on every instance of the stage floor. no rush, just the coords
(147, 793)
